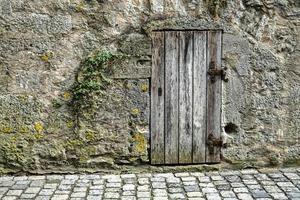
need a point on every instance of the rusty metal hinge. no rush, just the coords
(213, 71)
(213, 142)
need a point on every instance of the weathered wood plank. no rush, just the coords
(199, 97)
(171, 97)
(214, 94)
(185, 96)
(157, 99)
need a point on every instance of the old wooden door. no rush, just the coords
(185, 98)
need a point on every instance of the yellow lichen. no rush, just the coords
(80, 6)
(135, 111)
(141, 143)
(7, 129)
(23, 98)
(13, 139)
(38, 126)
(38, 136)
(24, 129)
(90, 136)
(144, 87)
(47, 56)
(67, 96)
(70, 124)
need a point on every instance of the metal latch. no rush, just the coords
(212, 142)
(213, 71)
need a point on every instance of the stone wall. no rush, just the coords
(45, 46)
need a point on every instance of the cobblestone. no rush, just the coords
(228, 185)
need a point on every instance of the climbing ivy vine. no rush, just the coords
(93, 78)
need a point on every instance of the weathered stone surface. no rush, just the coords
(43, 44)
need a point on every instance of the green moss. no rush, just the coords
(84, 154)
(4, 171)
(72, 144)
(87, 151)
(83, 159)
(57, 103)
(90, 136)
(2, 30)
(15, 151)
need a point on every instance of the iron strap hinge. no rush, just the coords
(214, 71)
(213, 142)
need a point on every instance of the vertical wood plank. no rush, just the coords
(214, 94)
(171, 97)
(199, 97)
(185, 96)
(157, 99)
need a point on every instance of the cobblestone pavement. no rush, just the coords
(229, 185)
